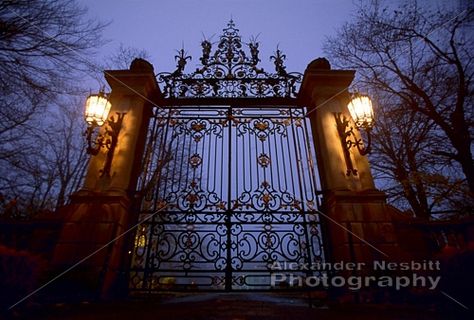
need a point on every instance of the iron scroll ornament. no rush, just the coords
(229, 72)
(224, 225)
(345, 132)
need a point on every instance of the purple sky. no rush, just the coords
(160, 27)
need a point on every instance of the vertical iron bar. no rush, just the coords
(299, 169)
(292, 150)
(151, 224)
(228, 222)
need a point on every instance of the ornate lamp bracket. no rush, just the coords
(345, 132)
(107, 140)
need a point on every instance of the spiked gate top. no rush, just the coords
(229, 72)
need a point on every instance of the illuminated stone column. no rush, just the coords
(131, 94)
(325, 92)
(101, 211)
(355, 209)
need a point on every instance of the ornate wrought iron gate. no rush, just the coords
(228, 190)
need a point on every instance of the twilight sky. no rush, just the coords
(161, 27)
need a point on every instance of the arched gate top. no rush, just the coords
(229, 71)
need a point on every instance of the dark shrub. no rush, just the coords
(19, 274)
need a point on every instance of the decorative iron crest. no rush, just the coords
(230, 72)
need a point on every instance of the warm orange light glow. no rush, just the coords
(97, 109)
(361, 110)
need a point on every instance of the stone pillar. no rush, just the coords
(101, 211)
(355, 209)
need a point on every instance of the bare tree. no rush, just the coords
(41, 42)
(54, 164)
(403, 142)
(123, 57)
(68, 151)
(422, 59)
(44, 47)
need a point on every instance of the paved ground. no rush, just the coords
(228, 307)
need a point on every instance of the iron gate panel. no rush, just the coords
(227, 191)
